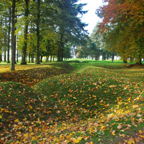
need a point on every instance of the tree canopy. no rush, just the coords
(123, 27)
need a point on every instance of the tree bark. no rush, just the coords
(15, 39)
(32, 57)
(13, 31)
(139, 62)
(112, 57)
(29, 57)
(17, 55)
(59, 52)
(23, 62)
(38, 22)
(1, 42)
(5, 41)
(4, 55)
(60, 49)
(9, 29)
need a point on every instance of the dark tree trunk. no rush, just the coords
(95, 58)
(15, 39)
(17, 55)
(23, 62)
(59, 52)
(139, 62)
(1, 42)
(53, 58)
(124, 61)
(112, 57)
(29, 57)
(38, 22)
(4, 55)
(32, 57)
(5, 41)
(13, 31)
(60, 49)
(9, 29)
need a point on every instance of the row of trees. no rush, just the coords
(40, 28)
(95, 47)
(121, 32)
(122, 28)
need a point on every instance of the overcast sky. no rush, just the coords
(91, 18)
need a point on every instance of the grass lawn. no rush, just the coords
(75, 101)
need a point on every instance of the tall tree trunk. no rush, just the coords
(1, 41)
(5, 55)
(53, 57)
(60, 49)
(15, 39)
(32, 56)
(139, 61)
(59, 52)
(5, 40)
(29, 57)
(9, 29)
(23, 62)
(17, 55)
(112, 57)
(38, 22)
(13, 32)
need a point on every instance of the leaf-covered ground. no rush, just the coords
(96, 103)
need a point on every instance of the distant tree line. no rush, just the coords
(95, 47)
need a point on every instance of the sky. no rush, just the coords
(91, 18)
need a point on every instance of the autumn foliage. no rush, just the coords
(123, 25)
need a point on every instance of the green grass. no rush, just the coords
(86, 105)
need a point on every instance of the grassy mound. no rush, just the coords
(63, 65)
(76, 61)
(92, 105)
(32, 76)
(83, 95)
(19, 102)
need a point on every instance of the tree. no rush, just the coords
(25, 32)
(13, 35)
(123, 22)
(9, 30)
(70, 28)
